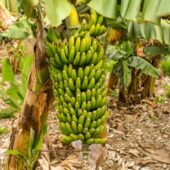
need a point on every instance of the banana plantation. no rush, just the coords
(85, 84)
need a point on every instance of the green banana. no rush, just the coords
(99, 101)
(73, 101)
(95, 44)
(91, 83)
(83, 45)
(94, 59)
(100, 19)
(68, 117)
(68, 91)
(78, 98)
(82, 120)
(77, 106)
(66, 111)
(92, 29)
(71, 42)
(87, 123)
(92, 74)
(80, 128)
(88, 135)
(72, 111)
(80, 112)
(68, 127)
(67, 139)
(63, 56)
(89, 56)
(78, 83)
(83, 97)
(86, 71)
(71, 84)
(93, 124)
(73, 75)
(88, 107)
(71, 55)
(66, 50)
(88, 95)
(80, 73)
(58, 60)
(83, 106)
(77, 44)
(63, 128)
(97, 29)
(82, 59)
(74, 118)
(74, 127)
(96, 140)
(85, 83)
(65, 76)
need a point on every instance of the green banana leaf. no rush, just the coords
(149, 10)
(132, 12)
(107, 8)
(164, 9)
(156, 51)
(122, 70)
(143, 65)
(57, 10)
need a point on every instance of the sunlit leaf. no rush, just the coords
(57, 10)
(107, 8)
(163, 9)
(7, 73)
(133, 9)
(149, 11)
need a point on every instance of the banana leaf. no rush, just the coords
(164, 9)
(133, 10)
(57, 10)
(121, 69)
(143, 65)
(107, 8)
(149, 10)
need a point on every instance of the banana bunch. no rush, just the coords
(77, 68)
(93, 24)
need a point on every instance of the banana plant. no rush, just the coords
(128, 68)
(39, 92)
(34, 147)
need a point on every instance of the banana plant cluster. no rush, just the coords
(77, 68)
